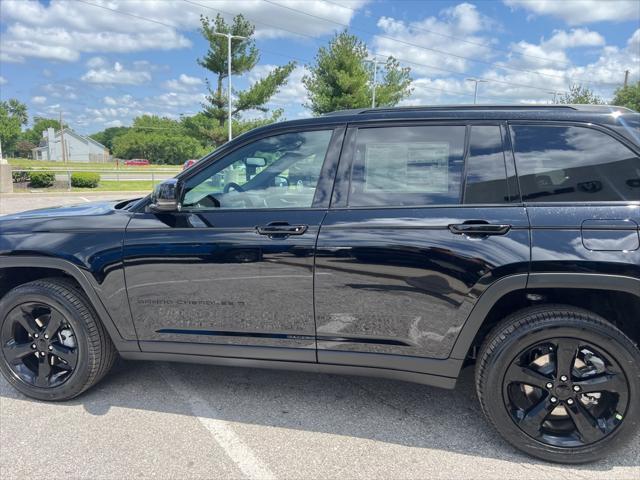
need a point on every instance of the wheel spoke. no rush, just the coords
(566, 352)
(519, 374)
(586, 425)
(15, 352)
(26, 320)
(55, 321)
(606, 382)
(535, 417)
(67, 354)
(44, 371)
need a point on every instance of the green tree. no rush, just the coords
(40, 124)
(579, 94)
(628, 96)
(13, 115)
(208, 131)
(106, 136)
(244, 57)
(158, 139)
(342, 78)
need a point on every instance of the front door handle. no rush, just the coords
(480, 228)
(280, 229)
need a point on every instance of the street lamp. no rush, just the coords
(375, 80)
(475, 89)
(229, 38)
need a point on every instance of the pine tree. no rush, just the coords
(342, 78)
(244, 57)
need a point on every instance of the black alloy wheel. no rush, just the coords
(560, 383)
(566, 392)
(39, 345)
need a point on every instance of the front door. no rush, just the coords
(424, 219)
(231, 274)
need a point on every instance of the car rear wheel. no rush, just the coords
(560, 383)
(53, 345)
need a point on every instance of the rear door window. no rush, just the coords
(571, 163)
(486, 180)
(407, 166)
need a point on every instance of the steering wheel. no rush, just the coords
(231, 185)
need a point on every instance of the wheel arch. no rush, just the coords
(519, 291)
(37, 267)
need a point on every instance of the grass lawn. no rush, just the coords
(120, 186)
(25, 163)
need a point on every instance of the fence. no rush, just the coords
(114, 180)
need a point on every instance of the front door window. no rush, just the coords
(281, 171)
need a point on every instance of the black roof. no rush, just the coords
(601, 114)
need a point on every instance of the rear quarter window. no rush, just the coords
(572, 163)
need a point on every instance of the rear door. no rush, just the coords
(581, 186)
(424, 217)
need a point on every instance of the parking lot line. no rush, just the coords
(222, 432)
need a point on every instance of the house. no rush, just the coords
(77, 148)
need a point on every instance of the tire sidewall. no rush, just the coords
(608, 339)
(80, 376)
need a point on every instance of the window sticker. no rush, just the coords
(407, 167)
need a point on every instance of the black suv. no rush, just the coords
(399, 243)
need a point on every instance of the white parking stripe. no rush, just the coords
(220, 430)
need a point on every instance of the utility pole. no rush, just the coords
(555, 94)
(375, 80)
(64, 155)
(626, 77)
(229, 37)
(475, 89)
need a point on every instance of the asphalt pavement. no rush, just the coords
(180, 421)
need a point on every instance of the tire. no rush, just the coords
(552, 421)
(85, 343)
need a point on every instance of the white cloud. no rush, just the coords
(60, 90)
(117, 74)
(113, 123)
(433, 35)
(183, 83)
(64, 29)
(578, 12)
(39, 100)
(3, 80)
(96, 62)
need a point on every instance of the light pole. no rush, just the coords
(229, 37)
(475, 89)
(375, 80)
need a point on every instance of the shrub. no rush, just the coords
(85, 179)
(19, 177)
(41, 179)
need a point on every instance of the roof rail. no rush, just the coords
(577, 107)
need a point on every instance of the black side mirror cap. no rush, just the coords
(167, 196)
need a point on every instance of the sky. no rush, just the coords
(103, 62)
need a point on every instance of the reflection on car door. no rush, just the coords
(235, 281)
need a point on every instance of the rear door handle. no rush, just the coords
(479, 229)
(279, 229)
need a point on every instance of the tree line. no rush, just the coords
(339, 78)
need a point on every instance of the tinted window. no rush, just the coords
(281, 171)
(563, 164)
(405, 166)
(486, 175)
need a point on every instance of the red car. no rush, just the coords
(189, 163)
(136, 161)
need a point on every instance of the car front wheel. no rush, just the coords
(53, 345)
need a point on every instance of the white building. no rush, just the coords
(76, 148)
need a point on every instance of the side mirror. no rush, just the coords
(166, 196)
